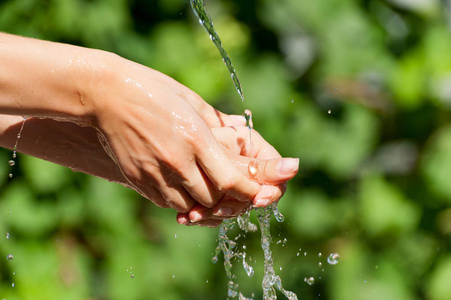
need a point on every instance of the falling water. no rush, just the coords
(228, 246)
(12, 161)
(198, 7)
(205, 20)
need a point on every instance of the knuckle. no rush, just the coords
(228, 184)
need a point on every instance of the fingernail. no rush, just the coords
(262, 202)
(183, 220)
(223, 212)
(195, 217)
(240, 120)
(287, 166)
(265, 196)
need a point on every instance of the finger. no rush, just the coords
(224, 175)
(199, 213)
(245, 141)
(208, 223)
(266, 171)
(269, 194)
(226, 208)
(270, 174)
(153, 195)
(269, 168)
(183, 219)
(212, 116)
(174, 194)
(229, 208)
(200, 187)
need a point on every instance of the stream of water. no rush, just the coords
(226, 245)
(12, 161)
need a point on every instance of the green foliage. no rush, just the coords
(359, 90)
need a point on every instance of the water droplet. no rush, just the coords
(333, 258)
(7, 236)
(310, 280)
(13, 285)
(305, 253)
(10, 175)
(11, 163)
(248, 117)
(280, 268)
(252, 169)
(232, 289)
(329, 111)
(214, 259)
(173, 276)
(14, 273)
(132, 276)
(14, 154)
(320, 264)
(175, 235)
(279, 217)
(297, 254)
(292, 101)
(9, 257)
(320, 254)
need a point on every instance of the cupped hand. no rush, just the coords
(258, 161)
(149, 127)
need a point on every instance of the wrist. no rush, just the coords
(100, 88)
(49, 80)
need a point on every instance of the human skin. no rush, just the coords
(78, 148)
(158, 135)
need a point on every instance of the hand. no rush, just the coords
(149, 124)
(77, 147)
(164, 148)
(259, 161)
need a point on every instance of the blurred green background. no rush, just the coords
(360, 90)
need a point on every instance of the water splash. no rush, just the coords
(227, 246)
(271, 281)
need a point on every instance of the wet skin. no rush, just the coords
(136, 126)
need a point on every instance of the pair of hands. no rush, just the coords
(179, 152)
(104, 115)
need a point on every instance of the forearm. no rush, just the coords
(46, 79)
(63, 143)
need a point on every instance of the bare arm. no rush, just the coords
(156, 131)
(63, 143)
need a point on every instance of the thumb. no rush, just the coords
(265, 171)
